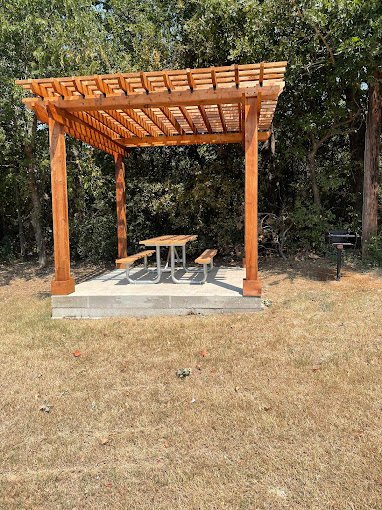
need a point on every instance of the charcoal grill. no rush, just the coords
(340, 239)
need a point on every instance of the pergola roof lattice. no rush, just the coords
(190, 106)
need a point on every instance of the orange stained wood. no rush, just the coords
(206, 256)
(159, 107)
(132, 258)
(63, 283)
(121, 205)
(251, 185)
(169, 240)
(227, 104)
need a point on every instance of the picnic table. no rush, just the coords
(172, 242)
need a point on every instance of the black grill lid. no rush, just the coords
(344, 237)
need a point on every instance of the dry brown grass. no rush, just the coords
(287, 411)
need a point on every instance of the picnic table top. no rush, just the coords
(174, 240)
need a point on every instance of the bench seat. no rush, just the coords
(206, 257)
(132, 258)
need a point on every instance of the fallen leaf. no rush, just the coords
(166, 445)
(77, 353)
(108, 484)
(203, 353)
(316, 369)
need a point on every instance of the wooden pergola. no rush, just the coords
(230, 104)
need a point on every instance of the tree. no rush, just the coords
(42, 38)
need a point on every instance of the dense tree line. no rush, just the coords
(319, 169)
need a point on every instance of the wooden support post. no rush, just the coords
(252, 283)
(121, 207)
(62, 284)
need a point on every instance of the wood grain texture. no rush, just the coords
(206, 256)
(121, 205)
(60, 209)
(132, 258)
(251, 191)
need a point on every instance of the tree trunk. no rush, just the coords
(20, 220)
(357, 156)
(371, 163)
(36, 214)
(311, 164)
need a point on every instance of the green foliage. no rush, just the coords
(374, 250)
(311, 226)
(332, 49)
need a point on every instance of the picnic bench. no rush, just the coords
(207, 257)
(129, 261)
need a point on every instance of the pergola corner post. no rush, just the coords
(63, 284)
(252, 282)
(121, 207)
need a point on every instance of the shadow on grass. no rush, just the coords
(322, 269)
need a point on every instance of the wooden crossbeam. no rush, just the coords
(189, 139)
(163, 99)
(182, 140)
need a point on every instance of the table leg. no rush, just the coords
(184, 263)
(175, 280)
(159, 271)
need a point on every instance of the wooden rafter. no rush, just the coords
(183, 109)
(170, 117)
(157, 121)
(160, 107)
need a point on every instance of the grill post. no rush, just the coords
(339, 260)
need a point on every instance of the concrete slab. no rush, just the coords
(109, 295)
